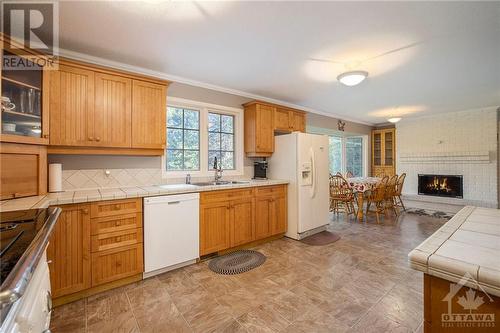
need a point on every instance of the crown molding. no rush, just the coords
(179, 79)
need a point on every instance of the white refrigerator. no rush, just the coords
(302, 159)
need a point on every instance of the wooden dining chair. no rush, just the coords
(399, 189)
(390, 192)
(341, 196)
(376, 197)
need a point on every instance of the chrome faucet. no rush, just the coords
(218, 170)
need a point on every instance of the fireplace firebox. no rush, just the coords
(450, 186)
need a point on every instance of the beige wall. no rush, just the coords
(316, 120)
(330, 126)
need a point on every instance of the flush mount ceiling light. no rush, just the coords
(352, 78)
(394, 120)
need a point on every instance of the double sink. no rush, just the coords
(210, 183)
(220, 182)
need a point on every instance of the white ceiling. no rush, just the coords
(451, 63)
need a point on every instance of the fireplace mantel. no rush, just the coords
(446, 157)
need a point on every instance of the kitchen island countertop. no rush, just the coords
(467, 245)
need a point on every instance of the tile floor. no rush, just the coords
(361, 283)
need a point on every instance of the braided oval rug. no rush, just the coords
(237, 262)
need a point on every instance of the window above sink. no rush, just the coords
(196, 133)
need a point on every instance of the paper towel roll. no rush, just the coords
(55, 177)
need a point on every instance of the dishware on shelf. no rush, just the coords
(23, 102)
(8, 127)
(7, 104)
(31, 101)
(37, 105)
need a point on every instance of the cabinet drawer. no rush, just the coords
(116, 207)
(116, 264)
(102, 225)
(271, 190)
(116, 239)
(225, 195)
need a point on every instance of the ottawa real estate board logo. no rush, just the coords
(470, 302)
(30, 34)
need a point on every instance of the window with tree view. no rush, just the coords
(221, 140)
(183, 139)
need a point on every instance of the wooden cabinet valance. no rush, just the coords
(99, 111)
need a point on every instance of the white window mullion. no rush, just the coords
(203, 139)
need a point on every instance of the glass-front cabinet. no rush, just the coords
(24, 119)
(383, 152)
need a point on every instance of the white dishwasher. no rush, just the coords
(171, 232)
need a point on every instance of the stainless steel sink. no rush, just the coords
(211, 183)
(220, 182)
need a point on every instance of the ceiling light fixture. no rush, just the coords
(352, 78)
(394, 120)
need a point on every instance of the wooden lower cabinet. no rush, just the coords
(69, 251)
(116, 263)
(271, 215)
(262, 217)
(94, 244)
(231, 218)
(242, 222)
(214, 227)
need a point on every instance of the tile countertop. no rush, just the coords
(79, 196)
(468, 244)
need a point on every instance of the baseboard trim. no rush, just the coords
(95, 290)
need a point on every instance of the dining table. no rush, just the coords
(361, 186)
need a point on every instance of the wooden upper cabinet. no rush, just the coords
(262, 120)
(112, 111)
(259, 130)
(25, 112)
(69, 251)
(288, 120)
(297, 121)
(102, 111)
(149, 105)
(282, 119)
(71, 106)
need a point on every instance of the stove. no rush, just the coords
(25, 299)
(17, 231)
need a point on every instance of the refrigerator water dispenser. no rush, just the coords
(306, 172)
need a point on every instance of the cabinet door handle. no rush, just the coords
(97, 139)
(45, 136)
(91, 138)
(85, 211)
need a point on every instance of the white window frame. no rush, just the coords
(204, 109)
(343, 136)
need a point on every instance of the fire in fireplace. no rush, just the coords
(441, 185)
